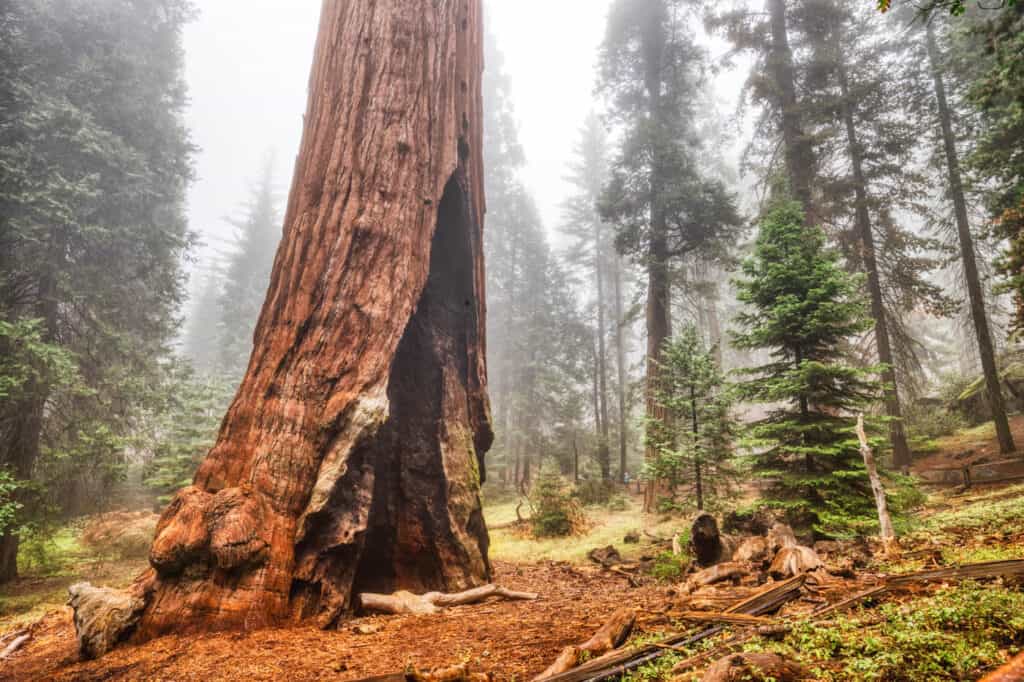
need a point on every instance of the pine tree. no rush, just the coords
(94, 161)
(662, 206)
(802, 308)
(696, 443)
(539, 349)
(939, 109)
(591, 251)
(247, 274)
(998, 92)
(184, 428)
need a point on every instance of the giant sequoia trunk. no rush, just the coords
(352, 455)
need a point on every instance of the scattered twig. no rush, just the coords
(15, 644)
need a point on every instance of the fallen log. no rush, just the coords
(755, 666)
(403, 602)
(753, 549)
(794, 560)
(987, 569)
(722, 617)
(610, 636)
(716, 573)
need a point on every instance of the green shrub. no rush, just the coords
(669, 567)
(555, 511)
(594, 491)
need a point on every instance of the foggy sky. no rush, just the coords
(248, 65)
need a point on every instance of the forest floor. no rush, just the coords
(940, 631)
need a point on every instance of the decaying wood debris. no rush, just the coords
(755, 666)
(611, 635)
(402, 602)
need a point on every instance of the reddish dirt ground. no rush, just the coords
(509, 639)
(963, 450)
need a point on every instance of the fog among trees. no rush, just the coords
(340, 314)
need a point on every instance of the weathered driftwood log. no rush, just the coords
(432, 602)
(752, 550)
(352, 456)
(755, 666)
(710, 546)
(887, 533)
(780, 536)
(794, 560)
(103, 617)
(611, 635)
(716, 573)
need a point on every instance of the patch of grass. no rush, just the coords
(48, 566)
(606, 527)
(987, 512)
(955, 634)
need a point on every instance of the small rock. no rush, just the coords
(366, 628)
(632, 538)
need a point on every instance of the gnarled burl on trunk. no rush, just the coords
(352, 456)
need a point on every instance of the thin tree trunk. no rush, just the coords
(352, 456)
(698, 474)
(604, 449)
(900, 449)
(620, 363)
(796, 145)
(974, 290)
(24, 437)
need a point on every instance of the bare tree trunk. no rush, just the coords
(900, 449)
(884, 520)
(796, 145)
(974, 290)
(604, 449)
(620, 363)
(352, 456)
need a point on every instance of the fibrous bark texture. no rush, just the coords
(352, 456)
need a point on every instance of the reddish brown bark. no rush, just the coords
(352, 455)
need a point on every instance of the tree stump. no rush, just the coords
(352, 455)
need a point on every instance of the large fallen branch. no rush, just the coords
(406, 602)
(610, 636)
